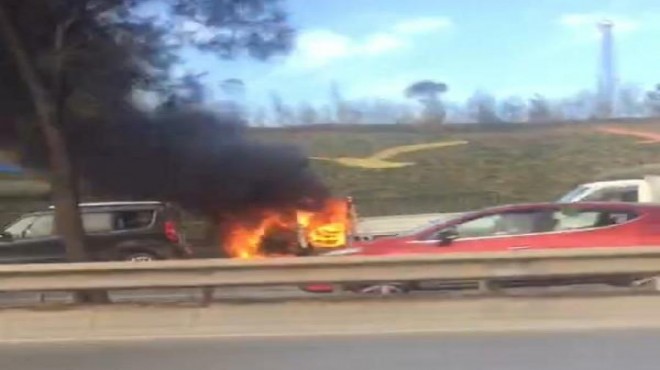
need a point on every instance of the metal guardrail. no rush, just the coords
(280, 271)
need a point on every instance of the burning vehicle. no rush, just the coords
(269, 233)
(263, 197)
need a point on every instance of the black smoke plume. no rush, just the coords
(199, 160)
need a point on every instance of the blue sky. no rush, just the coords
(375, 48)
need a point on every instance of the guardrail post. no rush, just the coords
(207, 295)
(338, 290)
(488, 286)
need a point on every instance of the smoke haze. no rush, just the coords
(200, 160)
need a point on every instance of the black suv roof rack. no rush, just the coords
(119, 203)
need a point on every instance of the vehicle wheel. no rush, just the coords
(139, 257)
(384, 289)
(650, 283)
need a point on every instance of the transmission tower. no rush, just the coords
(607, 75)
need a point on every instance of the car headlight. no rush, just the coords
(343, 252)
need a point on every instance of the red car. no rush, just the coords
(521, 227)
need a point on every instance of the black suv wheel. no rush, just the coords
(139, 257)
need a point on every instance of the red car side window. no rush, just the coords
(592, 218)
(505, 223)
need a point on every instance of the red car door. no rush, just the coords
(511, 230)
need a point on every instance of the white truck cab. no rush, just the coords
(644, 190)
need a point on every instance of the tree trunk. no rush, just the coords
(65, 197)
(49, 113)
(67, 217)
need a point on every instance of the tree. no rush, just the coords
(384, 111)
(187, 90)
(66, 60)
(630, 99)
(233, 87)
(652, 101)
(513, 109)
(581, 106)
(282, 112)
(354, 113)
(482, 108)
(233, 102)
(307, 114)
(342, 112)
(326, 114)
(428, 93)
(539, 109)
(259, 117)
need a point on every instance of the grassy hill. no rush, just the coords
(398, 169)
(498, 164)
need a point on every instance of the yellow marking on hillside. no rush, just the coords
(379, 160)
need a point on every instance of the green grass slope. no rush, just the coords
(499, 164)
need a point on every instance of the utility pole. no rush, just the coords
(607, 75)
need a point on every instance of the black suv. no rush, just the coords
(129, 231)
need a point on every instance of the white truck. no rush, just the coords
(645, 190)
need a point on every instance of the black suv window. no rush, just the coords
(19, 228)
(42, 226)
(128, 220)
(97, 222)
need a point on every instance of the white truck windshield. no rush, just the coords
(574, 195)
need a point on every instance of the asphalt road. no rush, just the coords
(597, 350)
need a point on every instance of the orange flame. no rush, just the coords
(326, 228)
(244, 239)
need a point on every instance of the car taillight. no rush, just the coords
(171, 232)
